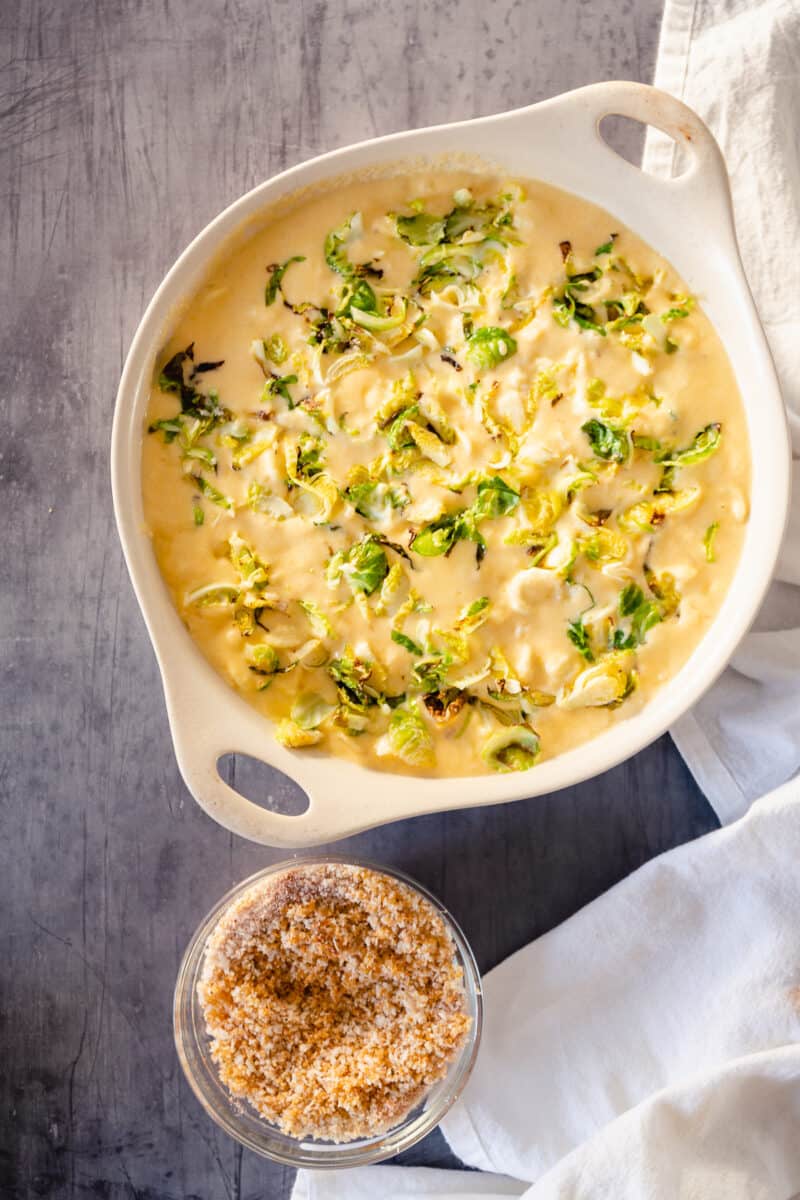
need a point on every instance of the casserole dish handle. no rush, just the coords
(203, 734)
(701, 192)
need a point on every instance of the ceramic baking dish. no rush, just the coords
(689, 220)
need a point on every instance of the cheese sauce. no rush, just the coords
(445, 473)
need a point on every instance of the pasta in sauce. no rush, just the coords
(445, 473)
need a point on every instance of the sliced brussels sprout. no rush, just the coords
(605, 684)
(495, 498)
(320, 625)
(263, 660)
(409, 737)
(351, 675)
(423, 229)
(445, 705)
(664, 589)
(604, 546)
(488, 346)
(379, 323)
(276, 274)
(312, 653)
(391, 593)
(514, 748)
(473, 615)
(648, 515)
(542, 508)
(701, 447)
(294, 737)
(213, 595)
(429, 444)
(212, 493)
(325, 495)
(253, 571)
(437, 418)
(608, 442)
(347, 363)
(310, 710)
(261, 500)
(708, 541)
(245, 621)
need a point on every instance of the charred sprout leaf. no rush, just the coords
(489, 346)
(332, 334)
(309, 462)
(607, 441)
(408, 643)
(276, 274)
(566, 308)
(278, 385)
(578, 634)
(410, 738)
(423, 229)
(350, 674)
(446, 704)
(473, 615)
(708, 541)
(701, 447)
(194, 403)
(663, 588)
(515, 748)
(650, 515)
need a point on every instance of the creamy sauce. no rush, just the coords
(585, 481)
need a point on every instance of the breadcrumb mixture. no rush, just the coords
(333, 999)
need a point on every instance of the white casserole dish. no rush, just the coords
(689, 221)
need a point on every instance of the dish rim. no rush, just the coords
(340, 800)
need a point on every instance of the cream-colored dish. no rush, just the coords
(688, 220)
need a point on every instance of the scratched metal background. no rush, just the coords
(124, 126)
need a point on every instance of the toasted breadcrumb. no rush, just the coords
(333, 999)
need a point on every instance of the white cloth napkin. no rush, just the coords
(737, 63)
(649, 1048)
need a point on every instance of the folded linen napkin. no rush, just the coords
(649, 1048)
(738, 65)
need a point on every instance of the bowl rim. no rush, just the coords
(699, 204)
(238, 1120)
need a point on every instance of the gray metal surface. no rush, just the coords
(125, 126)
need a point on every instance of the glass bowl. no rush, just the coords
(242, 1122)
